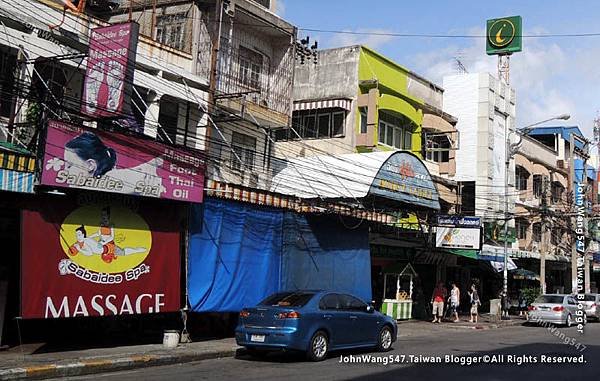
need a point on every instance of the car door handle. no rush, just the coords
(327, 316)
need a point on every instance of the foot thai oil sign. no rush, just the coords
(102, 256)
(504, 35)
(90, 159)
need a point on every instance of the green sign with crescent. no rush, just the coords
(504, 35)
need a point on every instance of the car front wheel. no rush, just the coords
(384, 342)
(319, 346)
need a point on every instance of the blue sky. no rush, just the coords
(552, 75)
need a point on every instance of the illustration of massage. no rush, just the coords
(102, 242)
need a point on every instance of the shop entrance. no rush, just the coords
(9, 274)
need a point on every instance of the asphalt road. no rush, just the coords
(531, 346)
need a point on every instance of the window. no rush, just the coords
(350, 303)
(395, 131)
(521, 176)
(521, 227)
(363, 120)
(435, 143)
(7, 80)
(245, 147)
(170, 30)
(251, 63)
(556, 238)
(537, 186)
(288, 299)
(168, 118)
(311, 124)
(330, 302)
(537, 232)
(557, 192)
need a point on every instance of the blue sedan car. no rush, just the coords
(315, 322)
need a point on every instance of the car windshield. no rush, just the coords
(288, 299)
(554, 299)
(590, 298)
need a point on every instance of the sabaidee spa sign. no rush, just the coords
(76, 157)
(102, 255)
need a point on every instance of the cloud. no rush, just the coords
(373, 41)
(280, 8)
(550, 77)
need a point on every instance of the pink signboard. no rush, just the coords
(77, 157)
(109, 72)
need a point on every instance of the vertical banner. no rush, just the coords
(110, 67)
(100, 255)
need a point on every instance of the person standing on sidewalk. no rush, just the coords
(522, 304)
(437, 299)
(475, 303)
(454, 301)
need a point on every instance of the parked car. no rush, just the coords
(554, 308)
(315, 322)
(592, 306)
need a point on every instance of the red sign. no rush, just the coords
(76, 157)
(110, 69)
(102, 255)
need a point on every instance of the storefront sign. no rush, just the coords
(458, 238)
(110, 68)
(403, 177)
(109, 162)
(504, 35)
(459, 221)
(99, 256)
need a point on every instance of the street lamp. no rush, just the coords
(511, 150)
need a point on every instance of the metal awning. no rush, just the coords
(13, 181)
(342, 103)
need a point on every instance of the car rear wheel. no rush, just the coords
(384, 342)
(319, 346)
(569, 321)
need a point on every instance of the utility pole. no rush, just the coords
(573, 219)
(545, 235)
(214, 61)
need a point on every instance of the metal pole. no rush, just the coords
(506, 171)
(572, 194)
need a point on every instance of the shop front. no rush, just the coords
(103, 236)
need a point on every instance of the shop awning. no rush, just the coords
(13, 181)
(342, 103)
(464, 253)
(394, 175)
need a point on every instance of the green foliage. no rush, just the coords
(33, 112)
(531, 293)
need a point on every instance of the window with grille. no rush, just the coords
(557, 192)
(537, 186)
(244, 147)
(251, 64)
(521, 177)
(521, 227)
(537, 232)
(170, 30)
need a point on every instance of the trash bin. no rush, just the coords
(495, 307)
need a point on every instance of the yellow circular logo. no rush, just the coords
(501, 33)
(105, 239)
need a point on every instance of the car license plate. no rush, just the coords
(545, 308)
(258, 338)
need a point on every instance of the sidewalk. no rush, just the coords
(35, 361)
(30, 361)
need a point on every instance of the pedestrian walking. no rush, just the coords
(475, 303)
(454, 301)
(505, 305)
(437, 299)
(522, 304)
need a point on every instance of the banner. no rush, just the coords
(110, 68)
(90, 159)
(102, 255)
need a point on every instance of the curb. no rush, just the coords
(110, 365)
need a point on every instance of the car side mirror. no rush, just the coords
(370, 308)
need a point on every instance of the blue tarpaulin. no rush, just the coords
(323, 253)
(239, 254)
(234, 255)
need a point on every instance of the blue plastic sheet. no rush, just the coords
(234, 255)
(326, 253)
